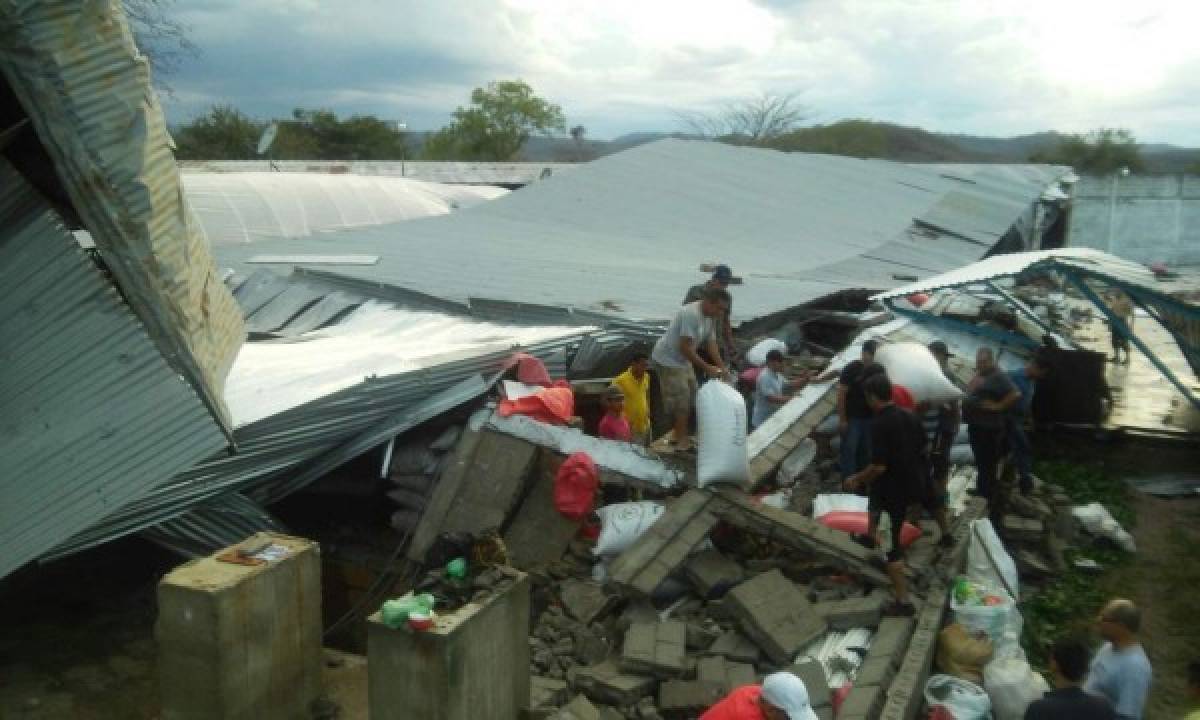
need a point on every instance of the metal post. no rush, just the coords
(1028, 312)
(1118, 325)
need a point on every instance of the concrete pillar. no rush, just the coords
(238, 641)
(472, 665)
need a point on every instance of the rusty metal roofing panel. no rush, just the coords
(74, 68)
(93, 416)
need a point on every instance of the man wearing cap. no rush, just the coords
(782, 696)
(675, 355)
(721, 278)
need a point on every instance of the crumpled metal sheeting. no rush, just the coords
(93, 416)
(273, 447)
(225, 521)
(74, 67)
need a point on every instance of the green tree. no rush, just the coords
(496, 125)
(758, 120)
(320, 135)
(1102, 151)
(224, 133)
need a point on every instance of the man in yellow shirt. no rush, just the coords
(635, 385)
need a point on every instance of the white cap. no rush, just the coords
(787, 692)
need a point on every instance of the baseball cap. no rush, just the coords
(787, 692)
(937, 347)
(723, 274)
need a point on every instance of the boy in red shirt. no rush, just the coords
(782, 696)
(614, 425)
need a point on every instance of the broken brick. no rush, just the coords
(735, 646)
(712, 574)
(584, 600)
(775, 615)
(655, 648)
(606, 683)
(852, 613)
(688, 697)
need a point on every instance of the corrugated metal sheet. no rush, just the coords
(346, 401)
(625, 235)
(93, 417)
(1180, 316)
(74, 67)
(245, 207)
(218, 524)
(458, 173)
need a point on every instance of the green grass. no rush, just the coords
(1071, 601)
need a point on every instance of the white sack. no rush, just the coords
(721, 435)
(621, 524)
(1012, 685)
(914, 367)
(988, 562)
(1098, 521)
(838, 502)
(757, 355)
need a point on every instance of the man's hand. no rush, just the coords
(714, 371)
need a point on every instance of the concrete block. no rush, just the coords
(863, 703)
(474, 662)
(891, 639)
(876, 670)
(853, 613)
(726, 674)
(539, 534)
(688, 697)
(606, 683)
(701, 636)
(712, 574)
(1020, 529)
(456, 472)
(813, 676)
(775, 615)
(237, 641)
(584, 600)
(657, 649)
(580, 708)
(494, 483)
(546, 692)
(735, 646)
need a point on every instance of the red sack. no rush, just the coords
(902, 398)
(553, 406)
(750, 375)
(530, 370)
(575, 486)
(855, 523)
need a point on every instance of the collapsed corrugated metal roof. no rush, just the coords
(94, 417)
(458, 173)
(315, 398)
(626, 234)
(1181, 317)
(247, 207)
(74, 68)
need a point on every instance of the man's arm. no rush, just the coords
(866, 476)
(714, 352)
(1004, 403)
(687, 347)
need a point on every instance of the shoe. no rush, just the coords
(899, 609)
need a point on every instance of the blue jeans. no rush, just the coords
(856, 446)
(1022, 452)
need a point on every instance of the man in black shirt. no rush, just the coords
(1068, 701)
(893, 479)
(990, 395)
(854, 416)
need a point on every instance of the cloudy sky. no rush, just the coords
(616, 66)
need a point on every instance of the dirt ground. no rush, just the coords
(1165, 583)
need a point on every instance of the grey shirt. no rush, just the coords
(995, 387)
(689, 322)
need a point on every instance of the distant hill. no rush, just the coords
(866, 139)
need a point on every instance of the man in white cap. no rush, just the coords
(782, 696)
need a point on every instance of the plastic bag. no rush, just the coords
(1012, 685)
(914, 367)
(395, 612)
(757, 355)
(964, 700)
(855, 523)
(721, 434)
(552, 405)
(621, 524)
(1098, 521)
(962, 653)
(984, 609)
(575, 486)
(988, 562)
